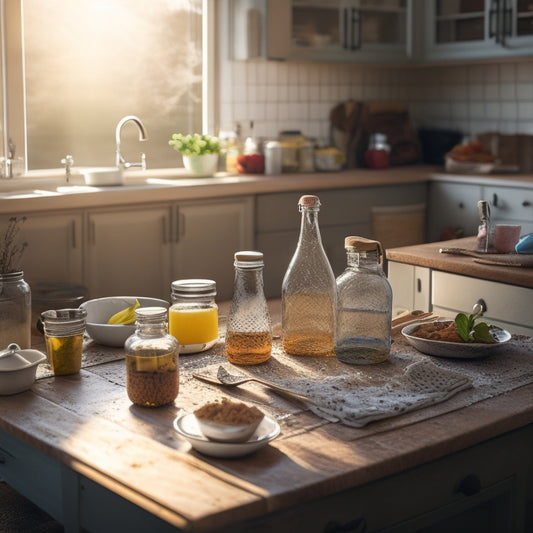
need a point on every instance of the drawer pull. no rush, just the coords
(526, 203)
(353, 526)
(495, 200)
(483, 305)
(469, 485)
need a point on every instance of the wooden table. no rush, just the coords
(77, 447)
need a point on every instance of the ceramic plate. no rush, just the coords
(457, 350)
(187, 426)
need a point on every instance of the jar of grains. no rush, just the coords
(152, 360)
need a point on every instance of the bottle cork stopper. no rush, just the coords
(362, 244)
(309, 200)
(248, 256)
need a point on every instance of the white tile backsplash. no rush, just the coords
(496, 96)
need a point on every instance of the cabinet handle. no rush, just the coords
(526, 203)
(469, 485)
(73, 229)
(495, 200)
(483, 304)
(418, 285)
(92, 233)
(164, 228)
(180, 226)
(354, 526)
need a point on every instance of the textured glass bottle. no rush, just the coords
(308, 292)
(152, 359)
(15, 310)
(249, 329)
(193, 317)
(364, 305)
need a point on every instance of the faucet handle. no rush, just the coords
(68, 161)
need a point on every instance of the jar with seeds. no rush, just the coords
(152, 360)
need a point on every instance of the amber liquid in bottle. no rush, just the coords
(248, 348)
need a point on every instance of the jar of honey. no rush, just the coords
(193, 315)
(152, 360)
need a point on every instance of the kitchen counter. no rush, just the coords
(49, 193)
(105, 465)
(428, 255)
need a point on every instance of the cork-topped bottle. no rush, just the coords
(308, 291)
(365, 305)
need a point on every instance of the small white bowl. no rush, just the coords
(103, 176)
(227, 432)
(17, 370)
(100, 310)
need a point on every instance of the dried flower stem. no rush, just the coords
(10, 250)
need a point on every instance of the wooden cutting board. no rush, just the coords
(514, 260)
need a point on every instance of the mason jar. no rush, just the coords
(15, 310)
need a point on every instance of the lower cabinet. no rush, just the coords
(140, 251)
(447, 294)
(53, 250)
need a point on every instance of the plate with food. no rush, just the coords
(227, 429)
(470, 158)
(462, 338)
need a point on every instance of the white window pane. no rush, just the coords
(89, 63)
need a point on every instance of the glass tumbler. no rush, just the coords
(63, 333)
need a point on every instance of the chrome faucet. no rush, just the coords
(119, 160)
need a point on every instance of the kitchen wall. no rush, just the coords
(472, 98)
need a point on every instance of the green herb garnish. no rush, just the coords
(469, 331)
(195, 144)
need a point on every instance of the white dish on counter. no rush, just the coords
(456, 350)
(187, 426)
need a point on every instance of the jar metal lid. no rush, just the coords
(191, 288)
(248, 259)
(151, 313)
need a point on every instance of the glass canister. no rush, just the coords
(377, 155)
(63, 333)
(152, 360)
(249, 329)
(308, 292)
(364, 305)
(15, 310)
(193, 315)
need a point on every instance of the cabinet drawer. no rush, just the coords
(510, 203)
(507, 304)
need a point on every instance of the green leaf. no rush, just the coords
(482, 333)
(463, 326)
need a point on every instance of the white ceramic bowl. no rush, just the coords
(100, 310)
(17, 370)
(227, 432)
(103, 176)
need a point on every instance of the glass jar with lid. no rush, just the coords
(15, 310)
(193, 315)
(152, 360)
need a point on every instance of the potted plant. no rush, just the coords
(199, 152)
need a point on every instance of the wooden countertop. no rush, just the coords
(428, 255)
(87, 423)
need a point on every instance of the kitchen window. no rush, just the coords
(72, 69)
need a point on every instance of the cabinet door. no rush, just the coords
(410, 287)
(452, 206)
(128, 252)
(206, 236)
(478, 29)
(511, 205)
(54, 247)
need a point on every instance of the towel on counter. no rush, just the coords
(356, 404)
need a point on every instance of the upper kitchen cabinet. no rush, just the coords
(318, 30)
(472, 29)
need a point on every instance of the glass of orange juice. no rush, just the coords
(193, 315)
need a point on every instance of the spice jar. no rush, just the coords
(193, 316)
(63, 333)
(152, 360)
(377, 155)
(15, 310)
(364, 305)
(249, 330)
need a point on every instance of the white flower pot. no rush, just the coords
(201, 165)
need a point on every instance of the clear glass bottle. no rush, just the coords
(152, 360)
(249, 329)
(193, 316)
(15, 310)
(364, 305)
(308, 292)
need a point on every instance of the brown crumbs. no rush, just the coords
(227, 412)
(438, 331)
